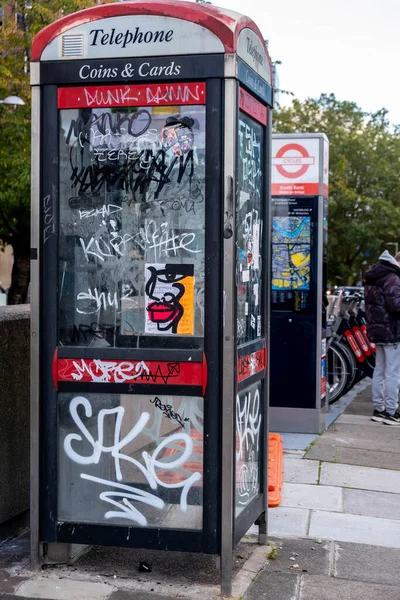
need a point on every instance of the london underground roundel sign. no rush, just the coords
(293, 160)
(295, 166)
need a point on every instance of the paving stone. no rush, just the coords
(355, 528)
(331, 438)
(349, 419)
(368, 437)
(360, 406)
(136, 595)
(274, 586)
(327, 446)
(9, 583)
(297, 441)
(372, 504)
(368, 458)
(362, 403)
(365, 478)
(367, 563)
(12, 597)
(288, 521)
(368, 427)
(294, 453)
(319, 497)
(299, 471)
(321, 451)
(323, 588)
(309, 555)
(64, 589)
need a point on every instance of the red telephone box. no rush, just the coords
(150, 210)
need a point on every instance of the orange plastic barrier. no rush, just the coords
(178, 476)
(275, 469)
(275, 464)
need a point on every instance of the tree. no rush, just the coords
(364, 184)
(21, 21)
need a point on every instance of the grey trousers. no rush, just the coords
(385, 382)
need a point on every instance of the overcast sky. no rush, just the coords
(348, 47)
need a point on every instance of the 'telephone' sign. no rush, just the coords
(295, 167)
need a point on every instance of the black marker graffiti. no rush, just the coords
(132, 189)
(168, 411)
(109, 123)
(158, 375)
(85, 333)
(179, 197)
(132, 176)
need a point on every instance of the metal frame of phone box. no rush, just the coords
(218, 358)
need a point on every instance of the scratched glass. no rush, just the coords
(131, 244)
(249, 230)
(248, 436)
(131, 460)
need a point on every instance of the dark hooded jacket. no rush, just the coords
(382, 300)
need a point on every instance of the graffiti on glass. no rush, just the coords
(150, 464)
(249, 230)
(94, 370)
(168, 411)
(248, 427)
(132, 189)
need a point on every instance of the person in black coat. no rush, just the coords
(382, 308)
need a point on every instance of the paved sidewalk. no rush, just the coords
(335, 536)
(337, 531)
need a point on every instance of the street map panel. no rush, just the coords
(291, 239)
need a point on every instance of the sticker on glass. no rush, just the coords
(177, 136)
(169, 298)
(259, 326)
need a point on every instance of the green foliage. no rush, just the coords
(273, 553)
(15, 176)
(21, 22)
(364, 181)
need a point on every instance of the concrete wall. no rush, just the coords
(14, 410)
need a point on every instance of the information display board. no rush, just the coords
(299, 228)
(293, 221)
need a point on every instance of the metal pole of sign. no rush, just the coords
(228, 345)
(35, 325)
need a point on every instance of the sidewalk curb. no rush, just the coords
(250, 570)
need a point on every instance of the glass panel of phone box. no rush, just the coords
(250, 326)
(131, 266)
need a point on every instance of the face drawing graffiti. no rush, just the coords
(164, 293)
(177, 135)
